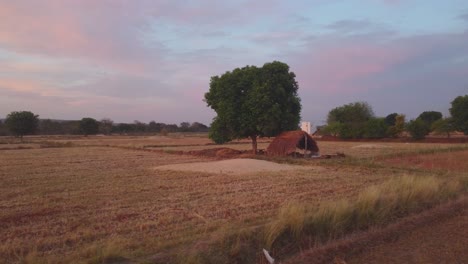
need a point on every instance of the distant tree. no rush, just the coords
(184, 127)
(459, 112)
(253, 102)
(155, 127)
(139, 126)
(443, 126)
(429, 117)
(170, 128)
(418, 129)
(71, 127)
(391, 119)
(198, 127)
(332, 129)
(353, 118)
(106, 125)
(398, 128)
(124, 128)
(376, 128)
(50, 127)
(22, 123)
(89, 126)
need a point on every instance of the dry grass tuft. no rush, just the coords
(377, 205)
(298, 224)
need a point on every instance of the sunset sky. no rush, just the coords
(152, 60)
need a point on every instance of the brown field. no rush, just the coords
(97, 199)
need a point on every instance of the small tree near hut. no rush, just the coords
(253, 102)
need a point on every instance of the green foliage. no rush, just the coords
(376, 128)
(398, 127)
(352, 118)
(459, 112)
(332, 129)
(391, 119)
(429, 117)
(22, 123)
(418, 129)
(89, 126)
(443, 126)
(253, 102)
(358, 112)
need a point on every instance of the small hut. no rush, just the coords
(287, 142)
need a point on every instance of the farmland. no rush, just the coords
(98, 199)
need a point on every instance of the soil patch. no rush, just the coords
(237, 166)
(450, 161)
(370, 146)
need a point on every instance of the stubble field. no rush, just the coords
(101, 199)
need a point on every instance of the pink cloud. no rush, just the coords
(98, 31)
(332, 68)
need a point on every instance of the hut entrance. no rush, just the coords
(287, 142)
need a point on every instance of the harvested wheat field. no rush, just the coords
(446, 161)
(238, 166)
(117, 201)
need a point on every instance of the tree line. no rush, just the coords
(357, 120)
(20, 123)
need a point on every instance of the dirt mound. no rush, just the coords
(236, 166)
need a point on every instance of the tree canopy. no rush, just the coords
(89, 126)
(459, 112)
(22, 123)
(253, 102)
(391, 119)
(443, 126)
(429, 117)
(352, 119)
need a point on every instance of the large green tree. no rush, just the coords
(353, 118)
(429, 117)
(22, 123)
(89, 126)
(253, 102)
(459, 112)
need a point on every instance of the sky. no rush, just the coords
(153, 59)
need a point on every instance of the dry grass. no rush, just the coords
(300, 225)
(69, 204)
(76, 200)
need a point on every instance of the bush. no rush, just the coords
(418, 129)
(376, 128)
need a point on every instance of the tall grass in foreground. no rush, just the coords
(300, 225)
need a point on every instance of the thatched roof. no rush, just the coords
(287, 142)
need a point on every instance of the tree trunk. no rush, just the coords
(254, 144)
